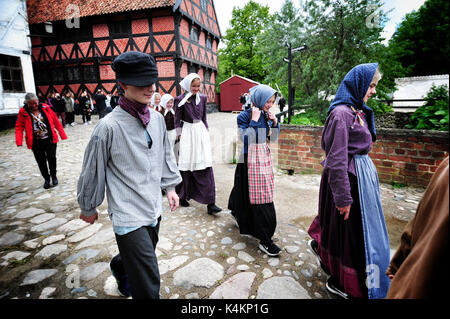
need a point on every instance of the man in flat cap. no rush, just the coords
(129, 153)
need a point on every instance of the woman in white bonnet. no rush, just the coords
(169, 117)
(155, 102)
(195, 160)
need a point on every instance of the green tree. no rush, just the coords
(240, 55)
(339, 35)
(421, 41)
(434, 114)
(284, 27)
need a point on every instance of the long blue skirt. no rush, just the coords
(376, 240)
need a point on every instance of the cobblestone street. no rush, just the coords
(46, 251)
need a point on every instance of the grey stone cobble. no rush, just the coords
(45, 247)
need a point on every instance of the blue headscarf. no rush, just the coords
(260, 94)
(353, 89)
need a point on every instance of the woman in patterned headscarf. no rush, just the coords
(195, 159)
(251, 199)
(349, 234)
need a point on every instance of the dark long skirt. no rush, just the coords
(258, 221)
(341, 242)
(198, 185)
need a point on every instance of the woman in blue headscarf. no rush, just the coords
(349, 234)
(251, 200)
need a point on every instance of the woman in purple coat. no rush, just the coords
(349, 234)
(194, 157)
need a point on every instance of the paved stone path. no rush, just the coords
(46, 251)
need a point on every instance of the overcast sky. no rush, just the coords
(224, 9)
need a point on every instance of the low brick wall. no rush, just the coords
(403, 156)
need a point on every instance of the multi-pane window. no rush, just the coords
(72, 73)
(208, 43)
(62, 34)
(11, 73)
(90, 73)
(204, 5)
(194, 34)
(57, 75)
(83, 32)
(192, 68)
(207, 75)
(119, 28)
(41, 76)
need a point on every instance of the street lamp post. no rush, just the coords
(289, 61)
(289, 83)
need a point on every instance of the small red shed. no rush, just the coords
(231, 90)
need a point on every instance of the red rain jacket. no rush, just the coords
(24, 121)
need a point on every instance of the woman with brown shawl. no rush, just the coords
(420, 265)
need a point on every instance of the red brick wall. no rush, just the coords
(166, 69)
(100, 30)
(106, 72)
(402, 156)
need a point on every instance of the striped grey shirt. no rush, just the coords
(118, 157)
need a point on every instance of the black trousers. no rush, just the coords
(101, 113)
(45, 151)
(70, 117)
(138, 258)
(86, 115)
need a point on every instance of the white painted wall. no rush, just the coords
(14, 41)
(416, 88)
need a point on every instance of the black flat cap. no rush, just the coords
(135, 68)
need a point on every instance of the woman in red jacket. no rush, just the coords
(39, 123)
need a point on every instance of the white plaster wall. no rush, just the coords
(14, 42)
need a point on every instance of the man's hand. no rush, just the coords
(273, 118)
(89, 219)
(344, 210)
(173, 199)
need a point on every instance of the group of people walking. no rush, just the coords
(39, 119)
(153, 145)
(67, 106)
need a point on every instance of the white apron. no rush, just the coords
(172, 134)
(195, 147)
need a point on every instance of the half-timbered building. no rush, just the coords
(86, 35)
(16, 71)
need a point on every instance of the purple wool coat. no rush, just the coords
(341, 142)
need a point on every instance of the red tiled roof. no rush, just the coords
(49, 10)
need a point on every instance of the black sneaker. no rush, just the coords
(47, 184)
(121, 278)
(335, 288)
(314, 245)
(270, 249)
(184, 203)
(54, 181)
(213, 209)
